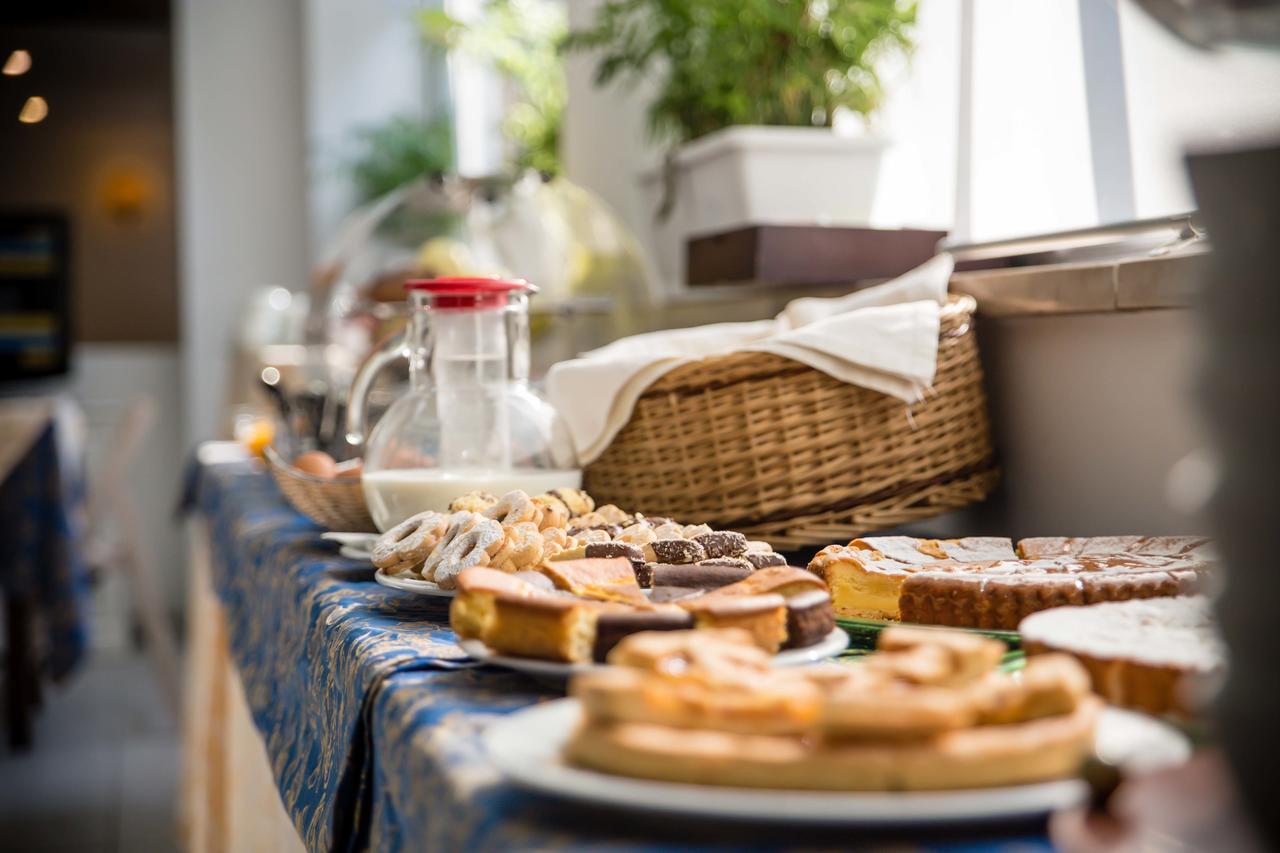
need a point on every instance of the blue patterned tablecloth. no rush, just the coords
(372, 717)
(42, 505)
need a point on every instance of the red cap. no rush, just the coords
(469, 292)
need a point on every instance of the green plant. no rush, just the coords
(720, 63)
(521, 39)
(395, 153)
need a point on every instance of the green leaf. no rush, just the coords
(720, 63)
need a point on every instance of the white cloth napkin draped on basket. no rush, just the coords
(884, 338)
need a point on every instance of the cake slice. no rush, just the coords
(763, 616)
(866, 576)
(548, 627)
(602, 579)
(810, 616)
(471, 611)
(862, 587)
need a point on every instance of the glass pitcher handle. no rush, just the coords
(392, 348)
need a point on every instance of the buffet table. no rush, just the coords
(326, 712)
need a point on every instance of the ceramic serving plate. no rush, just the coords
(357, 546)
(526, 747)
(414, 585)
(829, 646)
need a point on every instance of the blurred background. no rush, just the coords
(193, 194)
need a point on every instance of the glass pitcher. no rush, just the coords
(470, 420)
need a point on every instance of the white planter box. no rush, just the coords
(763, 176)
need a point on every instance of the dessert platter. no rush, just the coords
(572, 613)
(549, 583)
(519, 532)
(987, 583)
(924, 730)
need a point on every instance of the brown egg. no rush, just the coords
(317, 463)
(351, 469)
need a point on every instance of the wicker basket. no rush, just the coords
(768, 446)
(336, 504)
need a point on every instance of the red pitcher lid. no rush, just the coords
(469, 291)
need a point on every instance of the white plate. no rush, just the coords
(359, 540)
(829, 646)
(355, 552)
(526, 747)
(414, 585)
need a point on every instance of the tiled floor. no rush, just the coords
(103, 776)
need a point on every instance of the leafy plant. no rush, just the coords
(733, 62)
(521, 38)
(399, 151)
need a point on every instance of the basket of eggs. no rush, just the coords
(327, 492)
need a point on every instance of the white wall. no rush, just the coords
(604, 141)
(1091, 413)
(242, 178)
(104, 379)
(1182, 98)
(1029, 151)
(364, 65)
(919, 116)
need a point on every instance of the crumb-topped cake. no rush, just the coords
(986, 583)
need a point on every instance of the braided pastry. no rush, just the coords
(514, 507)
(521, 548)
(473, 502)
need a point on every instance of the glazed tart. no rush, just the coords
(866, 576)
(1159, 655)
(940, 582)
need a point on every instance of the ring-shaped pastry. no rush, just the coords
(472, 548)
(515, 507)
(409, 541)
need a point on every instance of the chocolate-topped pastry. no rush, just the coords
(697, 575)
(612, 627)
(614, 549)
(676, 551)
(667, 594)
(763, 559)
(623, 549)
(722, 543)
(809, 618)
(736, 562)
